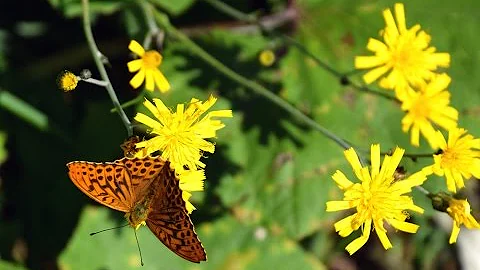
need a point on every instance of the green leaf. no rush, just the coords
(10, 266)
(3, 149)
(73, 8)
(23, 110)
(114, 249)
(232, 244)
(226, 242)
(174, 7)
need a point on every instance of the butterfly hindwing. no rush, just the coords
(169, 220)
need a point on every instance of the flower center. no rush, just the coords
(452, 159)
(421, 108)
(403, 57)
(406, 54)
(152, 59)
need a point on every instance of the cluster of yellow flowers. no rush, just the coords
(405, 63)
(179, 136)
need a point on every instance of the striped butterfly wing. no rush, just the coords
(117, 184)
(169, 221)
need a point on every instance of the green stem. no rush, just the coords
(255, 87)
(97, 57)
(219, 5)
(129, 103)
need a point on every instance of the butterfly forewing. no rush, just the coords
(106, 183)
(115, 184)
(142, 172)
(169, 220)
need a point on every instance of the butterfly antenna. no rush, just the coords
(93, 233)
(138, 245)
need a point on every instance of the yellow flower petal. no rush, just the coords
(149, 82)
(341, 180)
(333, 206)
(138, 79)
(161, 81)
(356, 244)
(135, 65)
(136, 48)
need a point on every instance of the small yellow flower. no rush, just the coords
(429, 105)
(180, 135)
(460, 212)
(67, 81)
(459, 159)
(147, 67)
(267, 58)
(405, 54)
(379, 199)
(190, 180)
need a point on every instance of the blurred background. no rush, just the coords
(267, 182)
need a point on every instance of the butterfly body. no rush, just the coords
(147, 190)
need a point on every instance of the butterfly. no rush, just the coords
(148, 191)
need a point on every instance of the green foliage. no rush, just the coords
(270, 176)
(174, 7)
(234, 243)
(73, 8)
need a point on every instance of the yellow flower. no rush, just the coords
(147, 67)
(67, 81)
(459, 210)
(267, 58)
(405, 54)
(458, 159)
(427, 106)
(378, 199)
(180, 135)
(190, 180)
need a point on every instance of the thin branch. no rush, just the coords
(255, 87)
(97, 57)
(221, 6)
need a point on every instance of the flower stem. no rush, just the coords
(255, 87)
(97, 57)
(129, 103)
(343, 77)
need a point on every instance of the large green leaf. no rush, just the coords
(228, 243)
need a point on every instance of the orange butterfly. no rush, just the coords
(148, 191)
